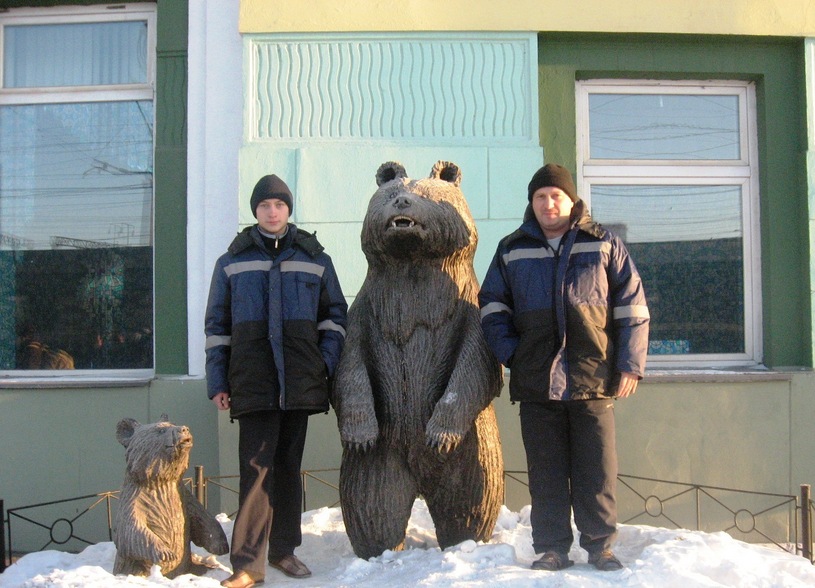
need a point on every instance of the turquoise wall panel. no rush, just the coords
(337, 182)
(393, 87)
(510, 170)
(324, 112)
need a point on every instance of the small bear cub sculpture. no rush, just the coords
(416, 380)
(158, 516)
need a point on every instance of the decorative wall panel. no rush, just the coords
(452, 88)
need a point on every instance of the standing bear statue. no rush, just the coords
(158, 516)
(415, 382)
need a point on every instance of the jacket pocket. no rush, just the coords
(252, 372)
(590, 350)
(307, 295)
(306, 374)
(533, 357)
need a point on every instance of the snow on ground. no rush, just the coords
(654, 557)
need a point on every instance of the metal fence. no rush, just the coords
(777, 519)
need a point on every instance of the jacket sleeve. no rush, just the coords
(218, 331)
(331, 317)
(629, 311)
(495, 300)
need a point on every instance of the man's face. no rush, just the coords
(273, 215)
(552, 207)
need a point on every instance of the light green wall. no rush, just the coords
(734, 432)
(61, 443)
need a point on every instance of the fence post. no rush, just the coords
(2, 537)
(806, 522)
(200, 492)
(303, 478)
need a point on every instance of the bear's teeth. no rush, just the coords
(402, 222)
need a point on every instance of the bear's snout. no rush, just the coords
(402, 202)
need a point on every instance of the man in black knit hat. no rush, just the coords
(562, 305)
(275, 327)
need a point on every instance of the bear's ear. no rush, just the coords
(447, 171)
(164, 418)
(390, 170)
(125, 430)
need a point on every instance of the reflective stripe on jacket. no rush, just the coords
(275, 327)
(565, 322)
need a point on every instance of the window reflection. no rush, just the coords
(664, 127)
(76, 236)
(688, 246)
(77, 54)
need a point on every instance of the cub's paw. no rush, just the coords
(164, 555)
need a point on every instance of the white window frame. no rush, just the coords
(78, 15)
(742, 172)
(73, 94)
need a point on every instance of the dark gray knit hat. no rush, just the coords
(270, 187)
(555, 175)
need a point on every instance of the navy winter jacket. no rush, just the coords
(566, 322)
(275, 327)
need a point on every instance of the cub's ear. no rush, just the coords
(390, 170)
(125, 430)
(447, 171)
(164, 418)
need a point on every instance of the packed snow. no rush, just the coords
(652, 556)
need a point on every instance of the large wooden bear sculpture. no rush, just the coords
(415, 382)
(158, 516)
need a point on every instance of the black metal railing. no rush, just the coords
(745, 513)
(60, 529)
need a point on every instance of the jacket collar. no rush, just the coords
(251, 236)
(581, 220)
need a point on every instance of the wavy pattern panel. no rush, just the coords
(426, 87)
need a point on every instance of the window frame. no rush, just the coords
(79, 15)
(743, 172)
(85, 94)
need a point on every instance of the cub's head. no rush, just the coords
(155, 452)
(418, 220)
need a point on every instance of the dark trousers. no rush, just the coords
(270, 450)
(572, 460)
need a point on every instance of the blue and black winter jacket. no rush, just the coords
(275, 327)
(565, 322)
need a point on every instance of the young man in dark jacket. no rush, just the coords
(275, 327)
(562, 305)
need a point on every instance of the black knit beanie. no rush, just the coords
(270, 187)
(555, 175)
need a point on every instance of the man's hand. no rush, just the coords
(221, 400)
(628, 385)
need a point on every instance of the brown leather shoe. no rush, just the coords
(290, 565)
(605, 561)
(552, 561)
(242, 579)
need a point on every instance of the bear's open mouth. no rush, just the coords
(401, 222)
(184, 441)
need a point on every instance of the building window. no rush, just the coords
(76, 190)
(673, 168)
